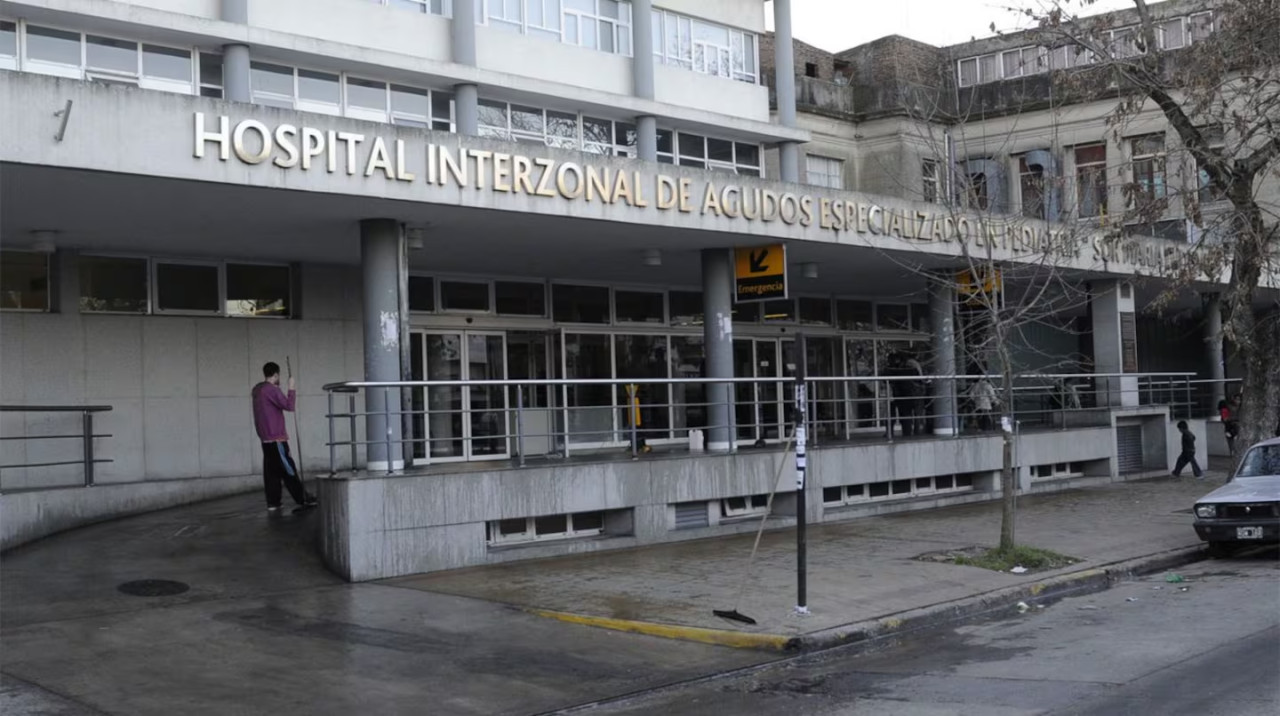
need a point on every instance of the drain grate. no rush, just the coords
(153, 588)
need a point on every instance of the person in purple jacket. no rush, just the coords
(269, 404)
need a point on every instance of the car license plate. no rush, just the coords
(1248, 533)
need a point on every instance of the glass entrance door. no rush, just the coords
(462, 422)
(760, 406)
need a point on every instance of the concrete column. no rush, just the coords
(1111, 301)
(647, 138)
(942, 301)
(380, 250)
(236, 78)
(785, 83)
(1213, 346)
(466, 97)
(717, 330)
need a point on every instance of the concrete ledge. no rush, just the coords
(29, 515)
(719, 637)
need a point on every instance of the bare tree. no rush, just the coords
(1216, 81)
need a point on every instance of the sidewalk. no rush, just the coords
(858, 572)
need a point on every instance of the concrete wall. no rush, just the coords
(28, 516)
(378, 527)
(178, 385)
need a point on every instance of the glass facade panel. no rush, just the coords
(24, 280)
(104, 53)
(464, 296)
(517, 298)
(273, 79)
(639, 307)
(893, 317)
(8, 39)
(643, 357)
(590, 406)
(49, 45)
(187, 287)
(256, 290)
(688, 400)
(422, 293)
(319, 87)
(685, 308)
(580, 304)
(815, 311)
(166, 63)
(367, 94)
(855, 315)
(113, 284)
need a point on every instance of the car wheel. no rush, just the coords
(1220, 550)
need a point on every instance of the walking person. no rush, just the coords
(269, 404)
(1230, 427)
(983, 394)
(1188, 452)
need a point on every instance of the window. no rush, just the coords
(779, 311)
(319, 92)
(825, 171)
(1031, 182)
(464, 296)
(24, 281)
(1023, 62)
(988, 69)
(210, 75)
(969, 72)
(695, 150)
(1201, 26)
(422, 294)
(167, 63)
(257, 290)
(815, 311)
(639, 307)
(114, 285)
(531, 529)
(519, 298)
(187, 287)
(744, 506)
(1091, 180)
(505, 14)
(1207, 191)
(108, 55)
(52, 47)
(542, 17)
(1068, 56)
(1171, 34)
(1148, 166)
(1126, 42)
(685, 308)
(893, 317)
(434, 7)
(930, 181)
(272, 85)
(579, 304)
(103, 59)
(705, 47)
(896, 489)
(810, 69)
(855, 315)
(8, 45)
(978, 196)
(603, 25)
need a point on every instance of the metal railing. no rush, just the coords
(474, 420)
(86, 436)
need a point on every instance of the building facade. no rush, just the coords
(471, 191)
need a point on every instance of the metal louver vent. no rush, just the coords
(690, 515)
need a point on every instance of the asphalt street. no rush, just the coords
(1208, 645)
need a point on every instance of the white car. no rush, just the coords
(1246, 510)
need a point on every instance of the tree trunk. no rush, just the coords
(1008, 483)
(1260, 386)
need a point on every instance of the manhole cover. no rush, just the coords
(153, 588)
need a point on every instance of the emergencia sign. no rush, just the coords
(760, 273)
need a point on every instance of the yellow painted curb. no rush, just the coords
(719, 637)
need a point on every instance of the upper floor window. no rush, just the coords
(825, 171)
(705, 47)
(1172, 34)
(1148, 165)
(1207, 190)
(603, 25)
(24, 281)
(1031, 182)
(8, 45)
(77, 55)
(1091, 179)
(1201, 25)
(695, 150)
(930, 181)
(434, 7)
(1024, 61)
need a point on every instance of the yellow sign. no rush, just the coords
(976, 287)
(760, 273)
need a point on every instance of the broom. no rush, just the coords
(288, 362)
(734, 614)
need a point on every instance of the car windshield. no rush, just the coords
(1261, 461)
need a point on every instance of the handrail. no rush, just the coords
(350, 384)
(86, 435)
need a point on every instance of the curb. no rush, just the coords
(1085, 581)
(719, 637)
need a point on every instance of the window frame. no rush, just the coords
(829, 180)
(146, 260)
(1159, 162)
(154, 279)
(11, 62)
(289, 294)
(930, 176)
(48, 282)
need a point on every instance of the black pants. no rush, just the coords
(1183, 459)
(277, 465)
